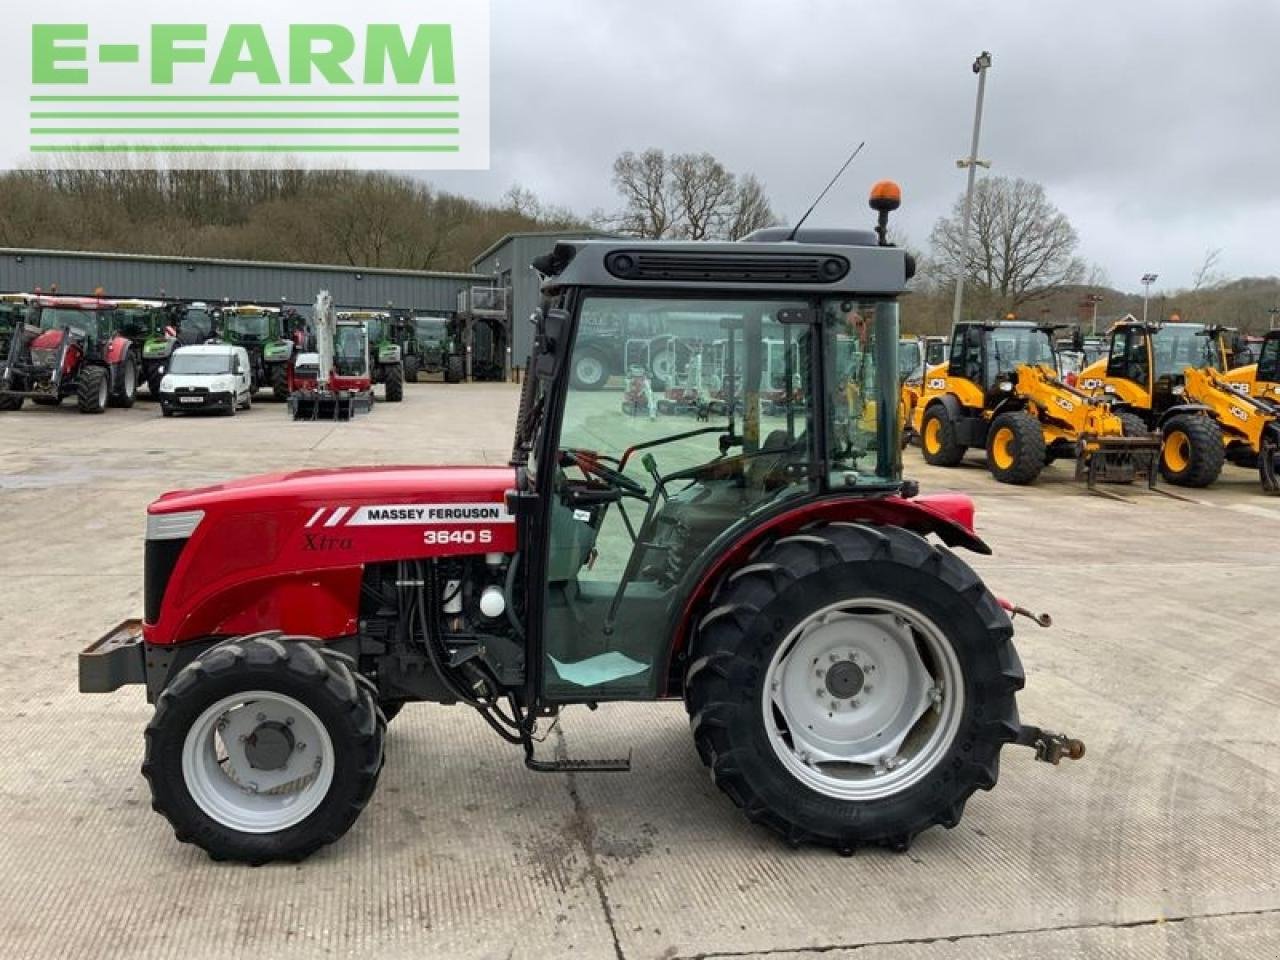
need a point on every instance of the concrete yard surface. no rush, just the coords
(1161, 843)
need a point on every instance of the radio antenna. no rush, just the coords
(839, 174)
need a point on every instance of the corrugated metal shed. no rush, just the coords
(186, 278)
(506, 263)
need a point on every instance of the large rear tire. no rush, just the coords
(93, 389)
(394, 389)
(938, 438)
(264, 748)
(590, 370)
(1015, 448)
(782, 701)
(1192, 454)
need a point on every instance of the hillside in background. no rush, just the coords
(361, 219)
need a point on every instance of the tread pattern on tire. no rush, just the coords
(720, 682)
(88, 389)
(249, 657)
(1134, 426)
(1028, 448)
(1207, 451)
(454, 369)
(394, 387)
(950, 453)
(279, 378)
(119, 396)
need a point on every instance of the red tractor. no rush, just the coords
(70, 347)
(848, 681)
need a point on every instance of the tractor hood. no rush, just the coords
(347, 486)
(47, 340)
(296, 544)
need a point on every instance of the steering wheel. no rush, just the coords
(590, 464)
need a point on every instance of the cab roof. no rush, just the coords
(818, 262)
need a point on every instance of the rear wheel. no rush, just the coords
(394, 384)
(264, 748)
(9, 403)
(853, 685)
(662, 368)
(93, 389)
(1015, 448)
(1192, 454)
(590, 370)
(938, 438)
(455, 370)
(125, 387)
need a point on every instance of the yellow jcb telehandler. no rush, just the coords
(1001, 391)
(1171, 375)
(1261, 379)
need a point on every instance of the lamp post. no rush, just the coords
(1272, 313)
(1147, 280)
(980, 66)
(1093, 300)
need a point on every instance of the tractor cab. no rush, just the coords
(636, 509)
(1146, 364)
(1260, 379)
(194, 322)
(986, 356)
(269, 337)
(150, 325)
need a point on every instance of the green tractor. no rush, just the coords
(438, 337)
(269, 335)
(386, 363)
(151, 328)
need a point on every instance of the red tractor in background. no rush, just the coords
(848, 682)
(70, 347)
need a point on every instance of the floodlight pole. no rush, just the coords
(980, 67)
(1147, 280)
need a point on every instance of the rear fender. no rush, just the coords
(116, 349)
(1184, 408)
(948, 515)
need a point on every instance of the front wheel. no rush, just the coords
(411, 368)
(938, 438)
(455, 370)
(1192, 454)
(853, 685)
(125, 390)
(1016, 450)
(264, 748)
(93, 389)
(394, 389)
(279, 382)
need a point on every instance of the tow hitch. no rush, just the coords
(1050, 747)
(1039, 619)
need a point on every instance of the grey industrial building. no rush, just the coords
(506, 264)
(124, 275)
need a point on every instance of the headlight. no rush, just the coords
(1108, 388)
(166, 384)
(173, 526)
(1178, 390)
(1006, 386)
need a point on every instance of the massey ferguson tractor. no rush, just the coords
(849, 680)
(70, 347)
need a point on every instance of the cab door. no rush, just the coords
(1129, 367)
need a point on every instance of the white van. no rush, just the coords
(211, 376)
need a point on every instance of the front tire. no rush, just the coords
(125, 389)
(411, 368)
(1192, 454)
(279, 382)
(938, 438)
(1015, 448)
(93, 389)
(455, 370)
(11, 402)
(264, 748)
(394, 384)
(786, 715)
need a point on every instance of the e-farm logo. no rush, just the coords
(380, 84)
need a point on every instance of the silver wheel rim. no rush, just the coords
(664, 364)
(104, 391)
(221, 777)
(590, 370)
(863, 699)
(130, 380)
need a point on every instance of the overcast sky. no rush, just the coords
(1154, 125)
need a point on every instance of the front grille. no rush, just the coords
(761, 268)
(191, 391)
(43, 357)
(159, 559)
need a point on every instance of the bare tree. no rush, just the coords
(1022, 247)
(751, 209)
(1208, 276)
(692, 196)
(643, 181)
